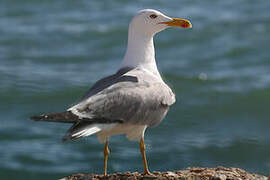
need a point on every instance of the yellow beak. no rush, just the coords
(178, 23)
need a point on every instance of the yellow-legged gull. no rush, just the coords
(133, 98)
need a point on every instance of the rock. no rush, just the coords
(192, 173)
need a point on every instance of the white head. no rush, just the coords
(149, 22)
(140, 51)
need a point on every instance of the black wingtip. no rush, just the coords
(66, 138)
(37, 118)
(69, 138)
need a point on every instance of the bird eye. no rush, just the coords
(153, 16)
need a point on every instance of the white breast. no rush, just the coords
(133, 132)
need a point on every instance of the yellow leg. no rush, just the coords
(106, 155)
(142, 148)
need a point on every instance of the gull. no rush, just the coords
(133, 98)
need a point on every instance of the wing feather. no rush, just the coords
(141, 102)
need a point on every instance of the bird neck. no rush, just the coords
(140, 52)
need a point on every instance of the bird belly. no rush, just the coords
(132, 131)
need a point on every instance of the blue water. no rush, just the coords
(51, 52)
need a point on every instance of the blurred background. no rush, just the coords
(51, 52)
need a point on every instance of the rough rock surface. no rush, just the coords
(194, 173)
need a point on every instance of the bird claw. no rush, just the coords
(147, 173)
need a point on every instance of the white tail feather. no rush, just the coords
(91, 129)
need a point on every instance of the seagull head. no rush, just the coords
(150, 21)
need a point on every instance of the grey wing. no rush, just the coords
(131, 102)
(119, 76)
